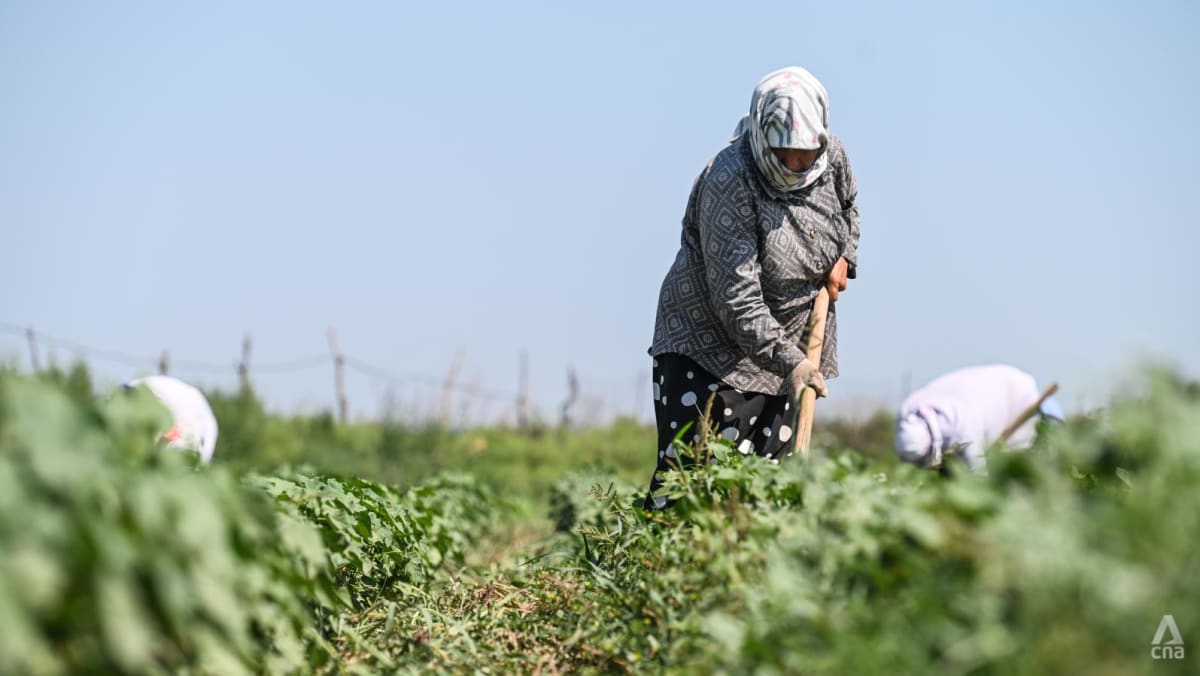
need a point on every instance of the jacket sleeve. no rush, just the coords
(847, 190)
(729, 238)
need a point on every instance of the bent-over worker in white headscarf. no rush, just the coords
(193, 425)
(967, 410)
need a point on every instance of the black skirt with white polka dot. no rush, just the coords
(752, 422)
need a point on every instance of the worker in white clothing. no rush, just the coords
(966, 411)
(193, 425)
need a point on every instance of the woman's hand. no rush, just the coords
(836, 281)
(806, 374)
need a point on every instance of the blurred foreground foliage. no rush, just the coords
(123, 557)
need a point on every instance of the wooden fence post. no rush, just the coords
(523, 391)
(33, 350)
(243, 367)
(448, 388)
(339, 375)
(572, 396)
(639, 391)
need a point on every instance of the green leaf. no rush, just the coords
(129, 634)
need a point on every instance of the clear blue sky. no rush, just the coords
(503, 176)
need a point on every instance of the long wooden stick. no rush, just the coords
(808, 398)
(1028, 413)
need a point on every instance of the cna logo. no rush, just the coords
(1171, 649)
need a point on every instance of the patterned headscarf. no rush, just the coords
(789, 109)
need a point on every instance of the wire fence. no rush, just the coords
(443, 398)
(453, 392)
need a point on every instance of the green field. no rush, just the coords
(313, 546)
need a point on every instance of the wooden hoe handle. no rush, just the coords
(808, 398)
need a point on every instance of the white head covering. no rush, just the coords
(789, 109)
(919, 437)
(194, 425)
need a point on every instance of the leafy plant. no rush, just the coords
(122, 556)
